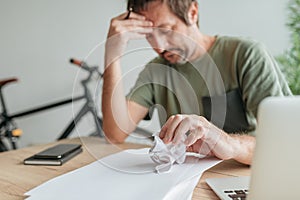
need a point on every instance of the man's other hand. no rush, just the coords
(202, 136)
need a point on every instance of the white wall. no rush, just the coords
(38, 37)
(262, 20)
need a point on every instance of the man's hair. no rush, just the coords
(179, 7)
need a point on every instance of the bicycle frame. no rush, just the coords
(7, 124)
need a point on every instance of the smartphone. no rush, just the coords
(58, 151)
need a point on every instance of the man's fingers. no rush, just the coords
(139, 30)
(194, 135)
(128, 26)
(170, 127)
(132, 15)
(122, 16)
(163, 131)
(202, 147)
(196, 146)
(137, 23)
(181, 130)
(205, 149)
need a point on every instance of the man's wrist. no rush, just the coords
(243, 147)
(114, 50)
(236, 146)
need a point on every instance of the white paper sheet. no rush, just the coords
(125, 175)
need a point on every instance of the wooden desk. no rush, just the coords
(16, 178)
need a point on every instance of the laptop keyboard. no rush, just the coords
(236, 194)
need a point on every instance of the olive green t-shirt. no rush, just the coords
(225, 85)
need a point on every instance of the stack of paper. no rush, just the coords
(126, 175)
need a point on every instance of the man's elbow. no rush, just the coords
(115, 137)
(115, 140)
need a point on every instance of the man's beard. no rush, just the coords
(174, 56)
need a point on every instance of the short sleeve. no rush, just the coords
(259, 77)
(142, 91)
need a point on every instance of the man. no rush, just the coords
(228, 77)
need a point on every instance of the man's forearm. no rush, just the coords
(117, 122)
(243, 147)
(114, 108)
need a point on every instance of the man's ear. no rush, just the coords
(193, 13)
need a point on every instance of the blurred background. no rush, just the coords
(38, 38)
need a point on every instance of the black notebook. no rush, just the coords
(56, 155)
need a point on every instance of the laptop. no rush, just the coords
(275, 170)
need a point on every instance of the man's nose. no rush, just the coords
(159, 43)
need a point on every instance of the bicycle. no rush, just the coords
(9, 129)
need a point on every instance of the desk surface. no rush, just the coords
(16, 178)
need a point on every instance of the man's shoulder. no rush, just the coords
(237, 41)
(241, 44)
